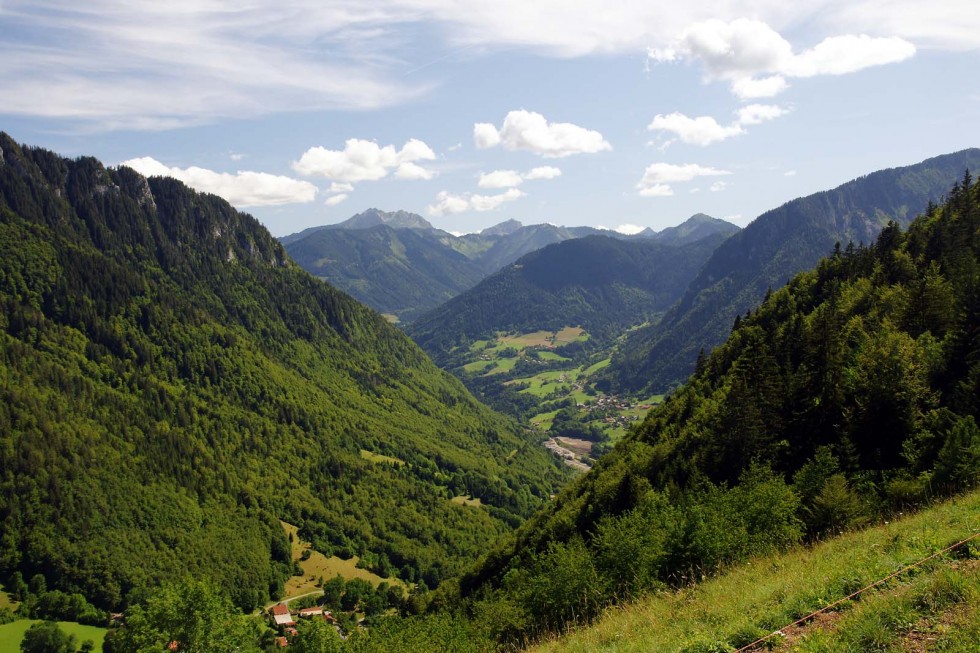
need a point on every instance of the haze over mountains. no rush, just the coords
(399, 264)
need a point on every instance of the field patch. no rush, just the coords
(319, 566)
(464, 500)
(12, 634)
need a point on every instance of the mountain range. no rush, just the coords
(399, 264)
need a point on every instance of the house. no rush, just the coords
(282, 642)
(311, 612)
(281, 616)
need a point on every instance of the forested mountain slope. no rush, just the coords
(171, 384)
(851, 393)
(399, 271)
(767, 253)
(599, 283)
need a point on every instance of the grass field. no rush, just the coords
(467, 501)
(6, 601)
(759, 597)
(12, 634)
(320, 566)
(378, 458)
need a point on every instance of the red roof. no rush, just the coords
(280, 608)
(282, 642)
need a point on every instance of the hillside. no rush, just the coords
(937, 604)
(172, 385)
(848, 396)
(601, 284)
(403, 272)
(767, 253)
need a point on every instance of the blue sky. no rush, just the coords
(619, 113)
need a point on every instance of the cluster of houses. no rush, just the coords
(285, 620)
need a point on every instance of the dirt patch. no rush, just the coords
(793, 634)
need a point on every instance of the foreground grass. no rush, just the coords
(751, 600)
(12, 634)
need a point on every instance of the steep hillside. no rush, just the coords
(599, 283)
(404, 272)
(767, 253)
(171, 385)
(851, 394)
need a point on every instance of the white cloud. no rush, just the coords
(447, 203)
(543, 172)
(527, 130)
(340, 187)
(705, 130)
(334, 200)
(235, 156)
(718, 186)
(512, 178)
(755, 114)
(755, 59)
(163, 65)
(657, 177)
(362, 160)
(656, 190)
(413, 171)
(702, 130)
(453, 148)
(500, 179)
(242, 189)
(789, 173)
(748, 88)
(629, 229)
(485, 135)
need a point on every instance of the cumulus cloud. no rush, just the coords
(500, 179)
(702, 130)
(362, 160)
(756, 60)
(244, 188)
(512, 178)
(340, 187)
(718, 186)
(755, 114)
(705, 130)
(527, 130)
(413, 171)
(543, 172)
(657, 177)
(334, 200)
(447, 203)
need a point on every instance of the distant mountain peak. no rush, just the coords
(502, 229)
(393, 219)
(698, 226)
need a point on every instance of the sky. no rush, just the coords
(623, 114)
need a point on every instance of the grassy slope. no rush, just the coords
(12, 634)
(768, 593)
